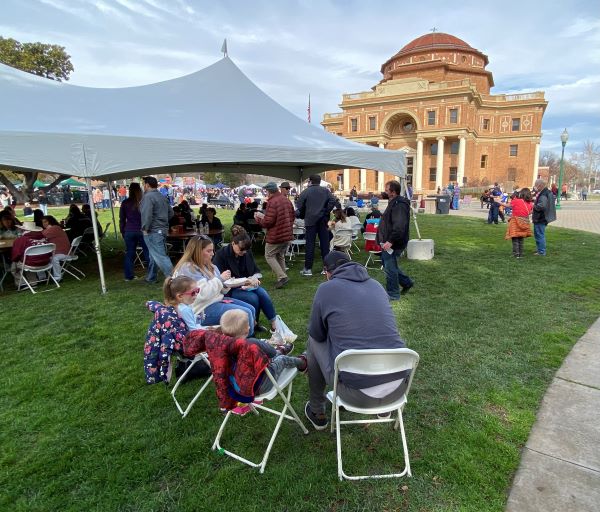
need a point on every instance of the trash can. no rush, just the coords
(442, 204)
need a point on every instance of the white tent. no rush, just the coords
(213, 120)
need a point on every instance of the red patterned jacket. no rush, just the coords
(228, 357)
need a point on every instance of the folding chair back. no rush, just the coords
(29, 264)
(298, 241)
(370, 237)
(67, 263)
(199, 357)
(373, 362)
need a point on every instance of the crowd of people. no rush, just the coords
(213, 299)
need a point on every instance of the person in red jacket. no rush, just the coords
(279, 221)
(32, 235)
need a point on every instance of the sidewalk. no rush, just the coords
(560, 463)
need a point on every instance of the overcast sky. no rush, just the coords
(327, 48)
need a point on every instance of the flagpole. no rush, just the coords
(308, 109)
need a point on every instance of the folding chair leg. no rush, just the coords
(184, 412)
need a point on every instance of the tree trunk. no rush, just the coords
(26, 193)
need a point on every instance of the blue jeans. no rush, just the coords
(133, 239)
(215, 311)
(455, 202)
(539, 233)
(258, 299)
(158, 255)
(320, 230)
(394, 277)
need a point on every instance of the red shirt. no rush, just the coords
(28, 239)
(56, 235)
(521, 208)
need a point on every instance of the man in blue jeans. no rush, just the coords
(544, 212)
(392, 236)
(156, 212)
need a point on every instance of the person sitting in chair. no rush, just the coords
(339, 322)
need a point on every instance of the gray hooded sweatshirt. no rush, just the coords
(352, 311)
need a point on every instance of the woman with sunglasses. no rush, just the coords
(237, 258)
(210, 300)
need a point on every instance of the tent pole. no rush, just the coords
(96, 236)
(112, 209)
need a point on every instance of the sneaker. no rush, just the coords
(304, 367)
(241, 410)
(306, 272)
(281, 283)
(260, 328)
(319, 421)
(284, 348)
(323, 272)
(134, 278)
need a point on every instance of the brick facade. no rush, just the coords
(437, 89)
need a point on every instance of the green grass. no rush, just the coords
(80, 430)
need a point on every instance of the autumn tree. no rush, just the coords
(41, 59)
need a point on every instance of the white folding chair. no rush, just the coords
(26, 266)
(199, 357)
(67, 263)
(371, 236)
(284, 381)
(294, 246)
(373, 362)
(87, 241)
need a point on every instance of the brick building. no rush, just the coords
(434, 103)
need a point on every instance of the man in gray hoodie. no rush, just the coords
(156, 213)
(350, 311)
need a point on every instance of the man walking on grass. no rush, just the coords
(340, 322)
(278, 219)
(314, 206)
(392, 236)
(156, 213)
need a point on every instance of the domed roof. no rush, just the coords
(434, 39)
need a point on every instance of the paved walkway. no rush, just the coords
(582, 215)
(560, 463)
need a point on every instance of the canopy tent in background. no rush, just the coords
(213, 120)
(72, 183)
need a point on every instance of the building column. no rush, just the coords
(462, 143)
(347, 180)
(381, 174)
(418, 169)
(363, 180)
(439, 165)
(536, 163)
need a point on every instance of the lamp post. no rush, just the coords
(564, 137)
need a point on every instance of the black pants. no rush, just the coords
(517, 246)
(320, 230)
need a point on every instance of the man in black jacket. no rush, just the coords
(392, 236)
(314, 206)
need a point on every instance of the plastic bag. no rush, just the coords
(282, 334)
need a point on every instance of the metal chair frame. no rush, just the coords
(37, 250)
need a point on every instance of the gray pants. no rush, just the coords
(275, 257)
(320, 377)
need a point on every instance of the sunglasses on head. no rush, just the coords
(203, 237)
(192, 293)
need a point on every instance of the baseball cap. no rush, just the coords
(271, 187)
(334, 259)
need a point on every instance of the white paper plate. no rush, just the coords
(235, 281)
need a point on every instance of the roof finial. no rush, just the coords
(224, 48)
(433, 30)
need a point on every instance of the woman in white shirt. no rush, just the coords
(341, 229)
(210, 302)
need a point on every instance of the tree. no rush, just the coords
(41, 59)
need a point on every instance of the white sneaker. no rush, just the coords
(305, 272)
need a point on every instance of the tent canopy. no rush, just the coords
(213, 120)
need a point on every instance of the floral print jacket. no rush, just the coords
(165, 336)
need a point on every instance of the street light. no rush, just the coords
(564, 137)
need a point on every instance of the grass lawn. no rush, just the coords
(80, 429)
